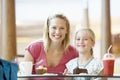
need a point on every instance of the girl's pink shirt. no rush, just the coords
(36, 49)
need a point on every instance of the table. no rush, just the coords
(51, 76)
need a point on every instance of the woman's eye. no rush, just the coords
(85, 39)
(53, 27)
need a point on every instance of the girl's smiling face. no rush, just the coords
(84, 42)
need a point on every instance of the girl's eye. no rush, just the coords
(78, 39)
(82, 39)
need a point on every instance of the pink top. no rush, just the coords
(36, 49)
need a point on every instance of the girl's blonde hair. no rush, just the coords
(91, 33)
(46, 37)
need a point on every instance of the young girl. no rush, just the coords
(84, 42)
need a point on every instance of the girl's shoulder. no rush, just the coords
(96, 63)
(95, 66)
(96, 60)
(73, 61)
(72, 64)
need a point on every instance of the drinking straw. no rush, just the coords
(109, 49)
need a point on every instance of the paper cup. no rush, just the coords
(26, 67)
(108, 62)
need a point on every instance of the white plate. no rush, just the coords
(116, 74)
(49, 74)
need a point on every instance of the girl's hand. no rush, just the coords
(66, 72)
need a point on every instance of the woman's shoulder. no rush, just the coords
(35, 48)
(71, 48)
(72, 51)
(36, 43)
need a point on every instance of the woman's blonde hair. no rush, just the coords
(91, 33)
(46, 37)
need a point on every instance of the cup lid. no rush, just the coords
(108, 56)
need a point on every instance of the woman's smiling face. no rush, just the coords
(57, 29)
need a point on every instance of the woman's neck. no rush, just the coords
(56, 46)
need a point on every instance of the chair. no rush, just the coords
(8, 70)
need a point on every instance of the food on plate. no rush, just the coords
(41, 70)
(79, 70)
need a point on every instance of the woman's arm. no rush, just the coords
(28, 57)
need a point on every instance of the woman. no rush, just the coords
(54, 51)
(84, 42)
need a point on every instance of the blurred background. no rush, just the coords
(22, 22)
(32, 14)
